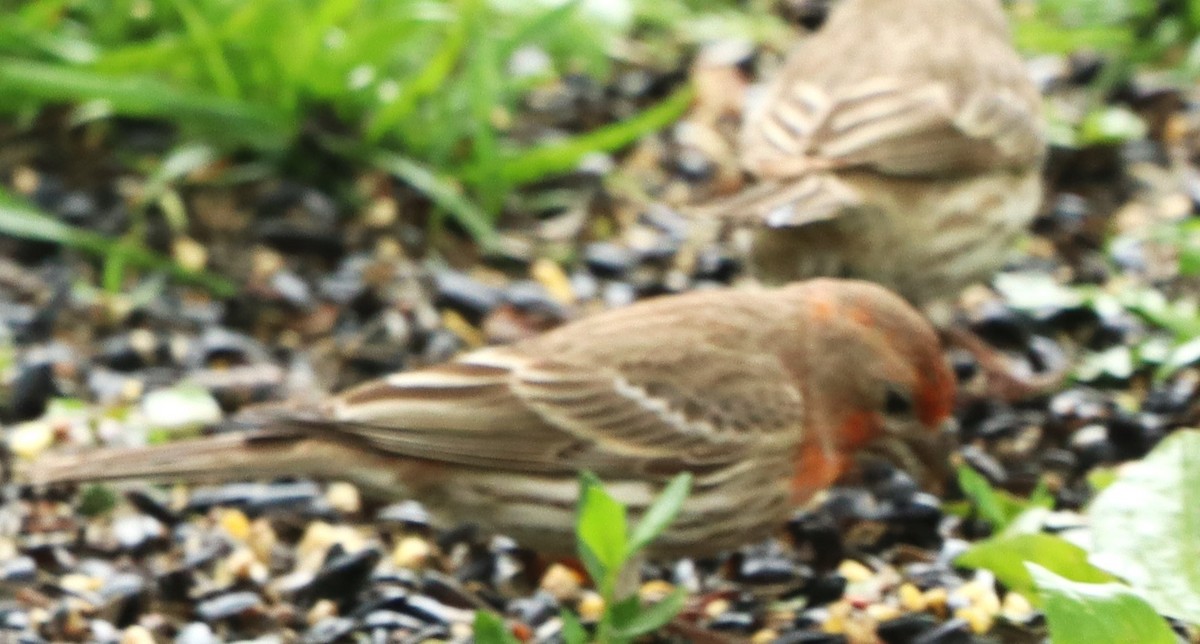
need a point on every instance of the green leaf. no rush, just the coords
(490, 629)
(1146, 526)
(1097, 613)
(661, 513)
(997, 507)
(1111, 125)
(601, 526)
(652, 618)
(572, 631)
(1006, 555)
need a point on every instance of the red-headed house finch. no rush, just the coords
(764, 395)
(901, 144)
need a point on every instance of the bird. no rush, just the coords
(902, 143)
(765, 395)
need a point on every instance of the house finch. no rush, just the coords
(901, 144)
(764, 395)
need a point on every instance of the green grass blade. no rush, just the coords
(661, 513)
(205, 39)
(563, 156)
(443, 191)
(230, 121)
(25, 222)
(431, 77)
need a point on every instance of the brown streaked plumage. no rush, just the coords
(901, 144)
(764, 394)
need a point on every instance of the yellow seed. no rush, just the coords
(458, 325)
(322, 609)
(550, 275)
(189, 253)
(979, 620)
(344, 497)
(935, 598)
(764, 636)
(136, 635)
(716, 608)
(79, 583)
(381, 212)
(655, 590)
(235, 524)
(1016, 607)
(562, 583)
(412, 552)
(839, 613)
(591, 607)
(882, 612)
(262, 539)
(911, 598)
(28, 440)
(241, 563)
(854, 572)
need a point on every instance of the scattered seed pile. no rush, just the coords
(346, 279)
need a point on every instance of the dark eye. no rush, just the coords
(897, 403)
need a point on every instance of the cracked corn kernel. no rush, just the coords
(235, 523)
(562, 582)
(911, 598)
(411, 552)
(854, 572)
(591, 607)
(977, 618)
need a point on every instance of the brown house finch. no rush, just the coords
(764, 395)
(901, 144)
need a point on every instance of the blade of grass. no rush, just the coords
(431, 77)
(485, 94)
(230, 121)
(26, 222)
(538, 162)
(205, 39)
(444, 192)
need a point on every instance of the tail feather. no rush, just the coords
(783, 202)
(213, 459)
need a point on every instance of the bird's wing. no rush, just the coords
(892, 127)
(501, 409)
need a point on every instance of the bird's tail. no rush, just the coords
(213, 459)
(782, 203)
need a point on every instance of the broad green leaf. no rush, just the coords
(601, 526)
(997, 507)
(661, 513)
(1097, 613)
(652, 618)
(490, 629)
(1146, 526)
(572, 631)
(1006, 556)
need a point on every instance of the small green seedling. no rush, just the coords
(606, 546)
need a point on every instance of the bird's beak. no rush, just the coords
(925, 455)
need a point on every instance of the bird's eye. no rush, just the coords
(897, 403)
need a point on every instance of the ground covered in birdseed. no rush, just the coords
(344, 276)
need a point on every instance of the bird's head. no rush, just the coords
(875, 379)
